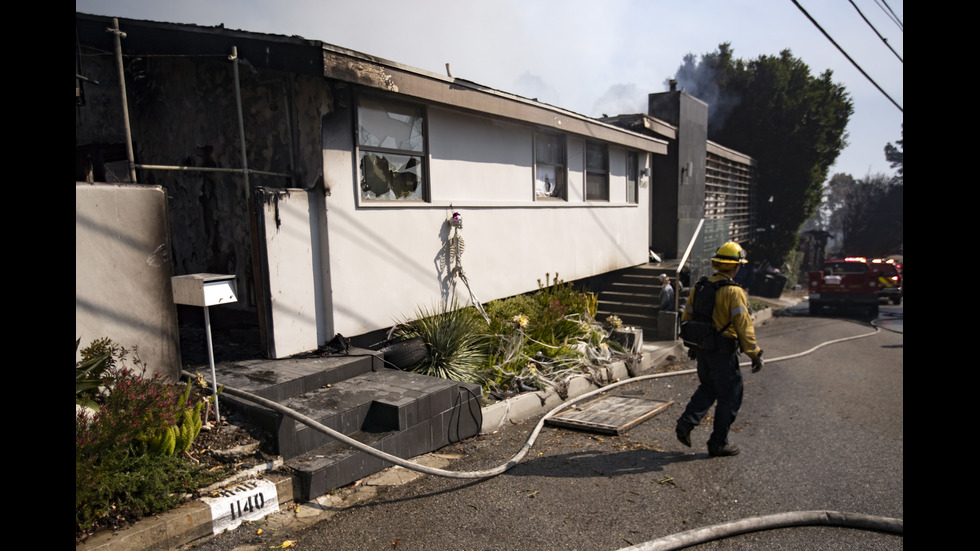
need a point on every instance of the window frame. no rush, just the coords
(387, 153)
(559, 168)
(632, 176)
(596, 174)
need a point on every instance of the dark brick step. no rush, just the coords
(381, 400)
(638, 296)
(402, 413)
(628, 308)
(278, 380)
(335, 463)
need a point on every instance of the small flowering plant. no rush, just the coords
(614, 321)
(521, 320)
(134, 412)
(137, 412)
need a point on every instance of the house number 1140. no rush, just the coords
(250, 501)
(253, 503)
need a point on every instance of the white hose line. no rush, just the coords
(519, 456)
(768, 522)
(821, 345)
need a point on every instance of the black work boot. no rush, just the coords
(683, 434)
(727, 449)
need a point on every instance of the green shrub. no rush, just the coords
(129, 459)
(542, 339)
(556, 291)
(131, 486)
(533, 341)
(503, 312)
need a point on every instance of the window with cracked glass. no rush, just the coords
(391, 150)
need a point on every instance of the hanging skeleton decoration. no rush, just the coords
(456, 246)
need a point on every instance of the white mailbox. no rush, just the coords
(204, 289)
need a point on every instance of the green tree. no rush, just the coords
(791, 122)
(834, 194)
(869, 216)
(896, 156)
(839, 190)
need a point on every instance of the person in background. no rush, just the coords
(666, 294)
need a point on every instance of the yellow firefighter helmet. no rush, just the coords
(730, 253)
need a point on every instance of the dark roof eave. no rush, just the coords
(263, 51)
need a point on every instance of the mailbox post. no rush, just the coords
(206, 290)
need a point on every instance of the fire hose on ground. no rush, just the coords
(675, 541)
(770, 522)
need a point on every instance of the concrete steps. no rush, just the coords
(401, 413)
(633, 294)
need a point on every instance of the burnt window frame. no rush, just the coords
(390, 151)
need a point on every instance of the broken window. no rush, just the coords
(391, 150)
(549, 165)
(596, 171)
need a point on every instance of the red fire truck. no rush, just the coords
(844, 283)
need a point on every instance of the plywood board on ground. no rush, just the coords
(608, 414)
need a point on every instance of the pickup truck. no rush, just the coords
(845, 283)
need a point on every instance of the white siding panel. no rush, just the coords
(478, 159)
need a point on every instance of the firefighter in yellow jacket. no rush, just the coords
(718, 372)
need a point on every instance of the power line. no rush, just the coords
(832, 41)
(883, 39)
(891, 14)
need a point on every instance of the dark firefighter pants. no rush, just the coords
(721, 382)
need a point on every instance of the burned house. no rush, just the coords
(325, 181)
(329, 185)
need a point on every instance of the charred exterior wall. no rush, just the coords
(678, 191)
(184, 114)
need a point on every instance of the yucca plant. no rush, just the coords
(454, 340)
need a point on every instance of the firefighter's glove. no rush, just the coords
(691, 353)
(757, 363)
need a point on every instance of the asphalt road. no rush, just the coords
(822, 431)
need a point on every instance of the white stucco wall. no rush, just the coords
(123, 271)
(387, 258)
(479, 159)
(287, 258)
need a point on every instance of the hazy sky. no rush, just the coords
(591, 57)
